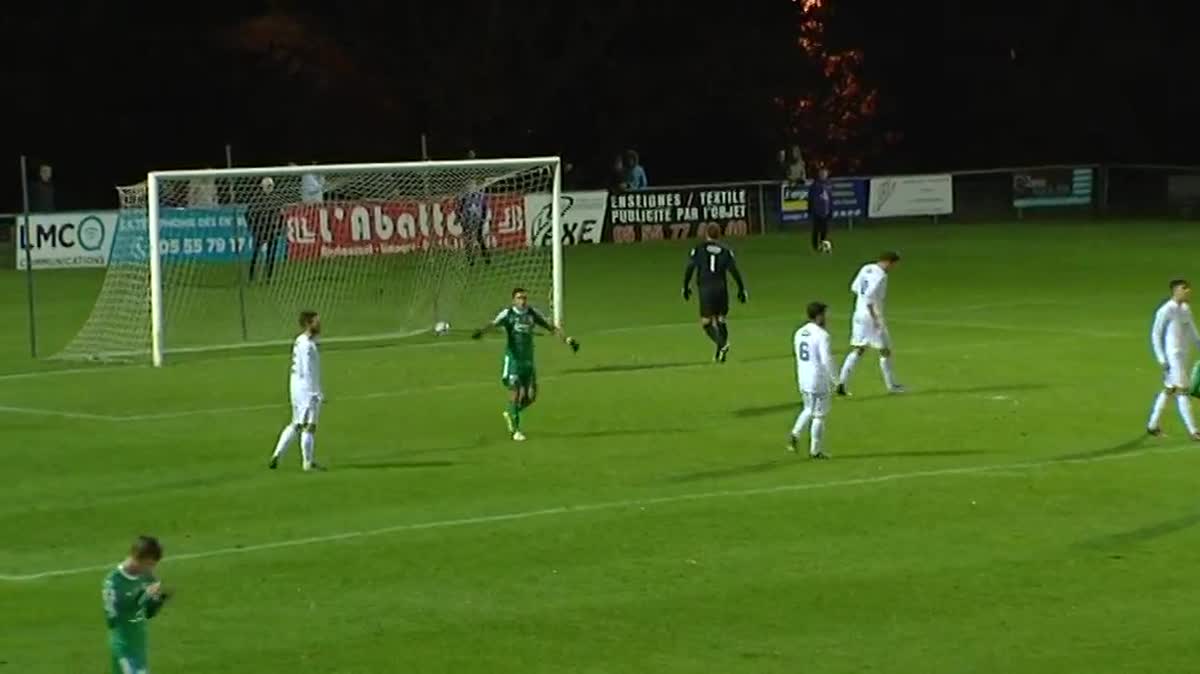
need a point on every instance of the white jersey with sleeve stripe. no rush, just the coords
(1174, 330)
(869, 287)
(814, 360)
(306, 368)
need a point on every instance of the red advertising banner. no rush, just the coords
(353, 228)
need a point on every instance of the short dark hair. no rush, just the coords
(146, 547)
(518, 290)
(1175, 283)
(816, 309)
(712, 231)
(889, 256)
(306, 317)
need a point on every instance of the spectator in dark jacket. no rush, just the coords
(41, 191)
(820, 209)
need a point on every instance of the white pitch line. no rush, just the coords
(1015, 327)
(58, 413)
(609, 505)
(37, 374)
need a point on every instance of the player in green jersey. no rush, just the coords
(132, 595)
(519, 374)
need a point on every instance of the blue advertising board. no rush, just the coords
(849, 199)
(217, 234)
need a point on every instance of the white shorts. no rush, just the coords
(817, 402)
(305, 409)
(1177, 376)
(864, 332)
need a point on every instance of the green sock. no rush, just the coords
(514, 413)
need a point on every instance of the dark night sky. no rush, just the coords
(107, 91)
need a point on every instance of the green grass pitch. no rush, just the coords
(1007, 515)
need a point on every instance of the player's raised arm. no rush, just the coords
(687, 275)
(1158, 334)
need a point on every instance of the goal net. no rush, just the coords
(222, 259)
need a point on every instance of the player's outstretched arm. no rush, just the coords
(567, 339)
(557, 330)
(478, 334)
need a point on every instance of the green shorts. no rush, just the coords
(124, 662)
(518, 374)
(1194, 391)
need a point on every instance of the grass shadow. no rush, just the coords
(1143, 534)
(961, 390)
(912, 454)
(630, 367)
(1131, 445)
(612, 433)
(795, 405)
(764, 410)
(731, 471)
(395, 465)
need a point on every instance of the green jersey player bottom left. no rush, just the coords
(519, 373)
(132, 596)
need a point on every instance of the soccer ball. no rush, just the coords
(441, 328)
(826, 246)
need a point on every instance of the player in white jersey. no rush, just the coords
(305, 389)
(1171, 337)
(869, 328)
(815, 377)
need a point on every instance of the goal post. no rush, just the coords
(228, 257)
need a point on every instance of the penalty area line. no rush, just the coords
(58, 413)
(612, 505)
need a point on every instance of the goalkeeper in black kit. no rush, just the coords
(710, 262)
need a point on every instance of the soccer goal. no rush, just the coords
(225, 259)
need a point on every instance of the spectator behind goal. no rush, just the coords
(797, 172)
(635, 175)
(265, 220)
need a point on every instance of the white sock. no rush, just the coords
(308, 442)
(285, 438)
(1160, 404)
(818, 434)
(885, 366)
(1185, 412)
(801, 422)
(848, 366)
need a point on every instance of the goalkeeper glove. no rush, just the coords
(687, 293)
(573, 343)
(743, 296)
